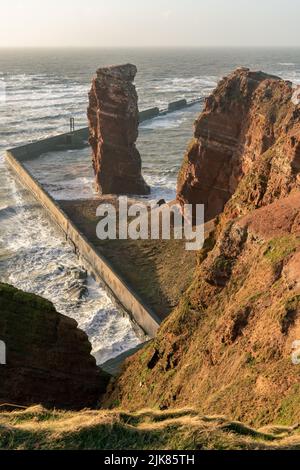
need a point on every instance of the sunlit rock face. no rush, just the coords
(230, 346)
(246, 138)
(113, 122)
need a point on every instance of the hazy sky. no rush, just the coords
(104, 23)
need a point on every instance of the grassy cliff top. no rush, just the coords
(183, 429)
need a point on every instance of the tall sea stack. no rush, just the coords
(113, 122)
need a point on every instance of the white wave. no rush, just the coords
(163, 122)
(171, 120)
(42, 262)
(191, 84)
(77, 188)
(162, 187)
(293, 77)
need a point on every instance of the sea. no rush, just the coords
(40, 89)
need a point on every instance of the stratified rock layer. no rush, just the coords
(113, 121)
(249, 128)
(231, 346)
(227, 349)
(48, 357)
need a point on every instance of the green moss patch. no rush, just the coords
(279, 248)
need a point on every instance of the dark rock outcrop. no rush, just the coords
(113, 121)
(249, 130)
(48, 358)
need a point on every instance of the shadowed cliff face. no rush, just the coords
(113, 122)
(48, 357)
(249, 128)
(227, 348)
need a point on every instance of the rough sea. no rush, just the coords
(39, 91)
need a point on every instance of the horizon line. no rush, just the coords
(157, 47)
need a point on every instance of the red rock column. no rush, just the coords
(113, 122)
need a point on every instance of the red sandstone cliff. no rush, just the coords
(227, 348)
(249, 127)
(48, 357)
(113, 121)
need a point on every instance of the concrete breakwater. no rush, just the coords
(79, 138)
(97, 264)
(171, 108)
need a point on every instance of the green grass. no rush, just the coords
(183, 429)
(279, 248)
(290, 405)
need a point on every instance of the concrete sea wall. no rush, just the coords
(177, 105)
(148, 114)
(76, 139)
(98, 266)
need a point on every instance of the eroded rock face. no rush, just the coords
(48, 358)
(113, 121)
(227, 348)
(248, 133)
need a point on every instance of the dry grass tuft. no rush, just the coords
(182, 429)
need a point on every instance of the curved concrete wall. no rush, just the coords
(77, 139)
(97, 264)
